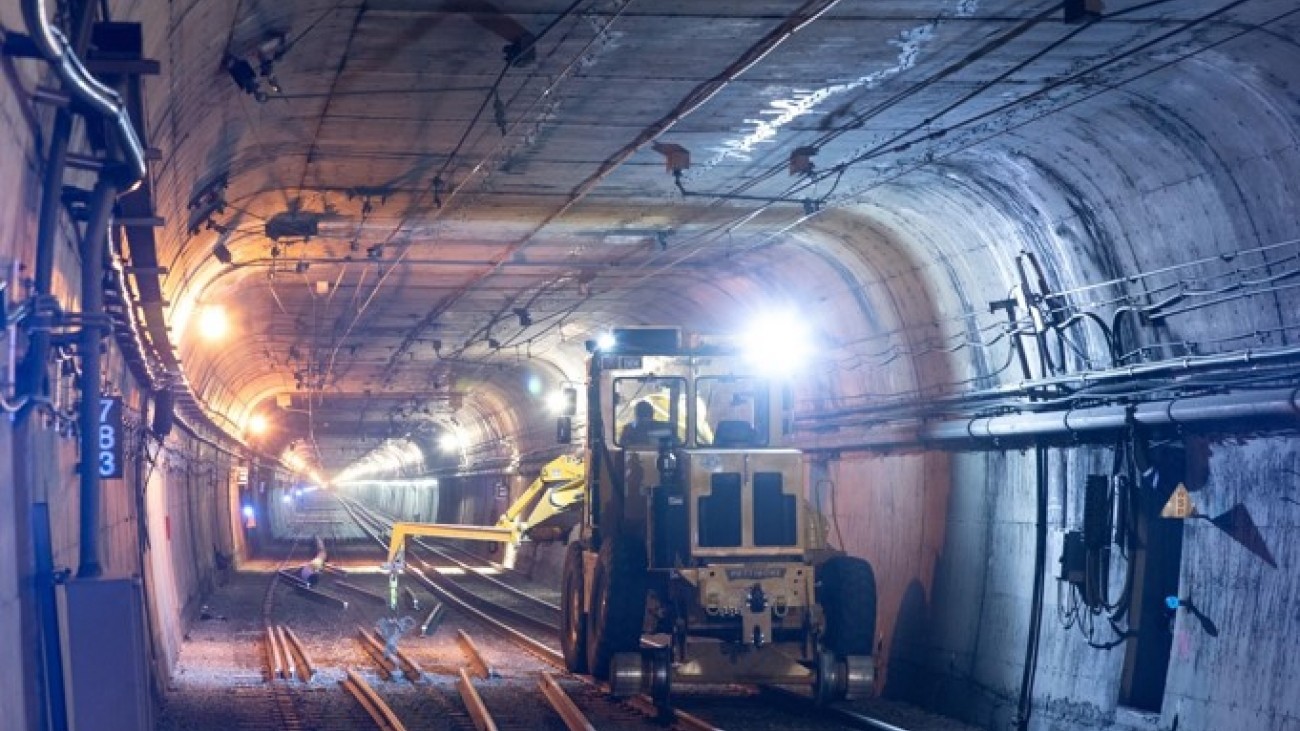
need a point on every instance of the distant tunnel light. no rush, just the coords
(257, 424)
(777, 343)
(449, 442)
(556, 401)
(606, 341)
(214, 323)
(248, 512)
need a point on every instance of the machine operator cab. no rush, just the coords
(696, 535)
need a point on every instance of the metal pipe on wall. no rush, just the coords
(93, 246)
(60, 54)
(1227, 363)
(48, 218)
(1241, 405)
(1272, 404)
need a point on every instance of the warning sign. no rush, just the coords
(1180, 505)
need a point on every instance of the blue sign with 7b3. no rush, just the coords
(108, 453)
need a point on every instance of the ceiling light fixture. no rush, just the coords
(214, 324)
(449, 442)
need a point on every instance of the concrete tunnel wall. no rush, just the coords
(1127, 186)
(1123, 188)
(164, 523)
(1120, 188)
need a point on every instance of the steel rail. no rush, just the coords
(451, 594)
(854, 719)
(442, 552)
(288, 713)
(643, 703)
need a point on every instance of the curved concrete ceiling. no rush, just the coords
(413, 228)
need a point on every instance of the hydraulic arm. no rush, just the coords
(544, 512)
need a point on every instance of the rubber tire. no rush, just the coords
(846, 590)
(617, 603)
(573, 620)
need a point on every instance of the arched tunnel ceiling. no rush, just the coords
(414, 227)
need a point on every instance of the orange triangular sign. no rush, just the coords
(1180, 504)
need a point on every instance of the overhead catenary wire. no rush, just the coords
(931, 159)
(402, 222)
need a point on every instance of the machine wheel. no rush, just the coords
(573, 623)
(830, 680)
(617, 603)
(626, 674)
(846, 590)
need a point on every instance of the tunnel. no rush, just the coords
(277, 273)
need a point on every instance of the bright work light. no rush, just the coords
(449, 442)
(777, 343)
(606, 341)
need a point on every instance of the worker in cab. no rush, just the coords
(644, 430)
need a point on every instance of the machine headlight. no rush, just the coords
(777, 343)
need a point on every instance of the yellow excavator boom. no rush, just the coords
(540, 513)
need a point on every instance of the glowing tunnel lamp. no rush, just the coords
(257, 425)
(449, 442)
(556, 401)
(214, 323)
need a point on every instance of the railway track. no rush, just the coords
(789, 709)
(344, 684)
(286, 711)
(596, 702)
(489, 586)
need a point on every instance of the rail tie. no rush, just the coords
(410, 668)
(568, 711)
(374, 705)
(475, 656)
(274, 661)
(306, 669)
(478, 711)
(290, 666)
(387, 667)
(432, 621)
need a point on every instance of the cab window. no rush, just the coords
(732, 411)
(648, 409)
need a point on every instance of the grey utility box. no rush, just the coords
(105, 666)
